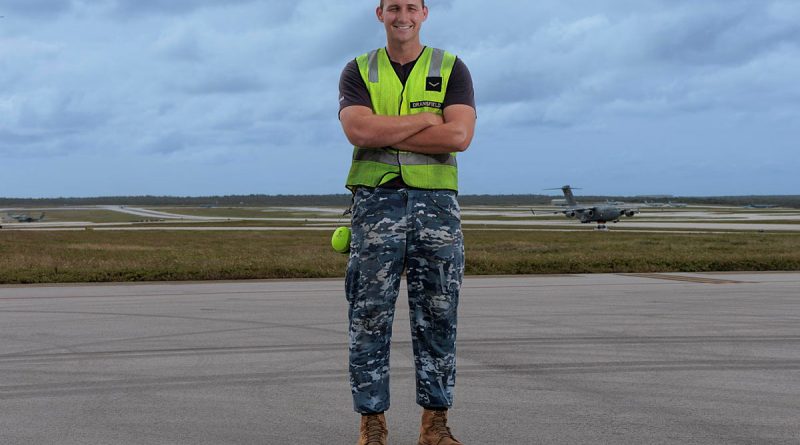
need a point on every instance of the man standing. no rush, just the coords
(407, 109)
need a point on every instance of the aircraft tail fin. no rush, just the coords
(568, 196)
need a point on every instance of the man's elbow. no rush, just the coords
(359, 138)
(462, 146)
(461, 141)
(355, 140)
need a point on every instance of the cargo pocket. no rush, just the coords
(365, 205)
(447, 205)
(351, 282)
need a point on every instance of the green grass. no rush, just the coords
(99, 256)
(495, 252)
(96, 256)
(96, 216)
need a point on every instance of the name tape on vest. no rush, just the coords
(426, 104)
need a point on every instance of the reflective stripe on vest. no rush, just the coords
(403, 157)
(424, 91)
(435, 69)
(373, 66)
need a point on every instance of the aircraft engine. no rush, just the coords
(629, 213)
(570, 214)
(590, 213)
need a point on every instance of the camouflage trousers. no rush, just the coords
(418, 231)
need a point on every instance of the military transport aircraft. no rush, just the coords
(599, 213)
(24, 217)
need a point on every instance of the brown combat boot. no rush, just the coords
(434, 429)
(373, 430)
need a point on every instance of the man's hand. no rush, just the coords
(455, 134)
(434, 119)
(427, 133)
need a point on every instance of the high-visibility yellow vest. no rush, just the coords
(423, 92)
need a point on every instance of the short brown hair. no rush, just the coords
(381, 5)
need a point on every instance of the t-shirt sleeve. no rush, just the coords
(352, 89)
(459, 88)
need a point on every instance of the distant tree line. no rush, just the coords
(343, 200)
(194, 201)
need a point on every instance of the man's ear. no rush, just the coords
(379, 13)
(424, 13)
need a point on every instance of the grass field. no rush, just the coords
(605, 252)
(99, 256)
(94, 256)
(97, 216)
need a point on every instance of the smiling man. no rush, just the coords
(407, 109)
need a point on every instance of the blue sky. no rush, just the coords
(201, 97)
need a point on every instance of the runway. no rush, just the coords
(578, 359)
(721, 220)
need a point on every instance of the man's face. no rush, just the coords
(402, 19)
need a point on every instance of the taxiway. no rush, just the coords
(583, 359)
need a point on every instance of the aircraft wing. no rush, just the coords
(562, 211)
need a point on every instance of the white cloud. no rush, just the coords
(198, 83)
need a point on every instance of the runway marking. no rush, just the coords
(684, 278)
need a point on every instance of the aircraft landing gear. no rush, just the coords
(602, 227)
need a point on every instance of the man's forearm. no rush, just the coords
(446, 138)
(374, 131)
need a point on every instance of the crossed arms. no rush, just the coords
(426, 133)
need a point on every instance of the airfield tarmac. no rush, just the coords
(721, 219)
(579, 359)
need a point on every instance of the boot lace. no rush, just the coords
(439, 425)
(373, 430)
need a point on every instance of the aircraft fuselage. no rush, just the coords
(597, 214)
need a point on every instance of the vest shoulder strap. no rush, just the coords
(435, 69)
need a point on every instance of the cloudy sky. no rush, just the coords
(202, 97)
